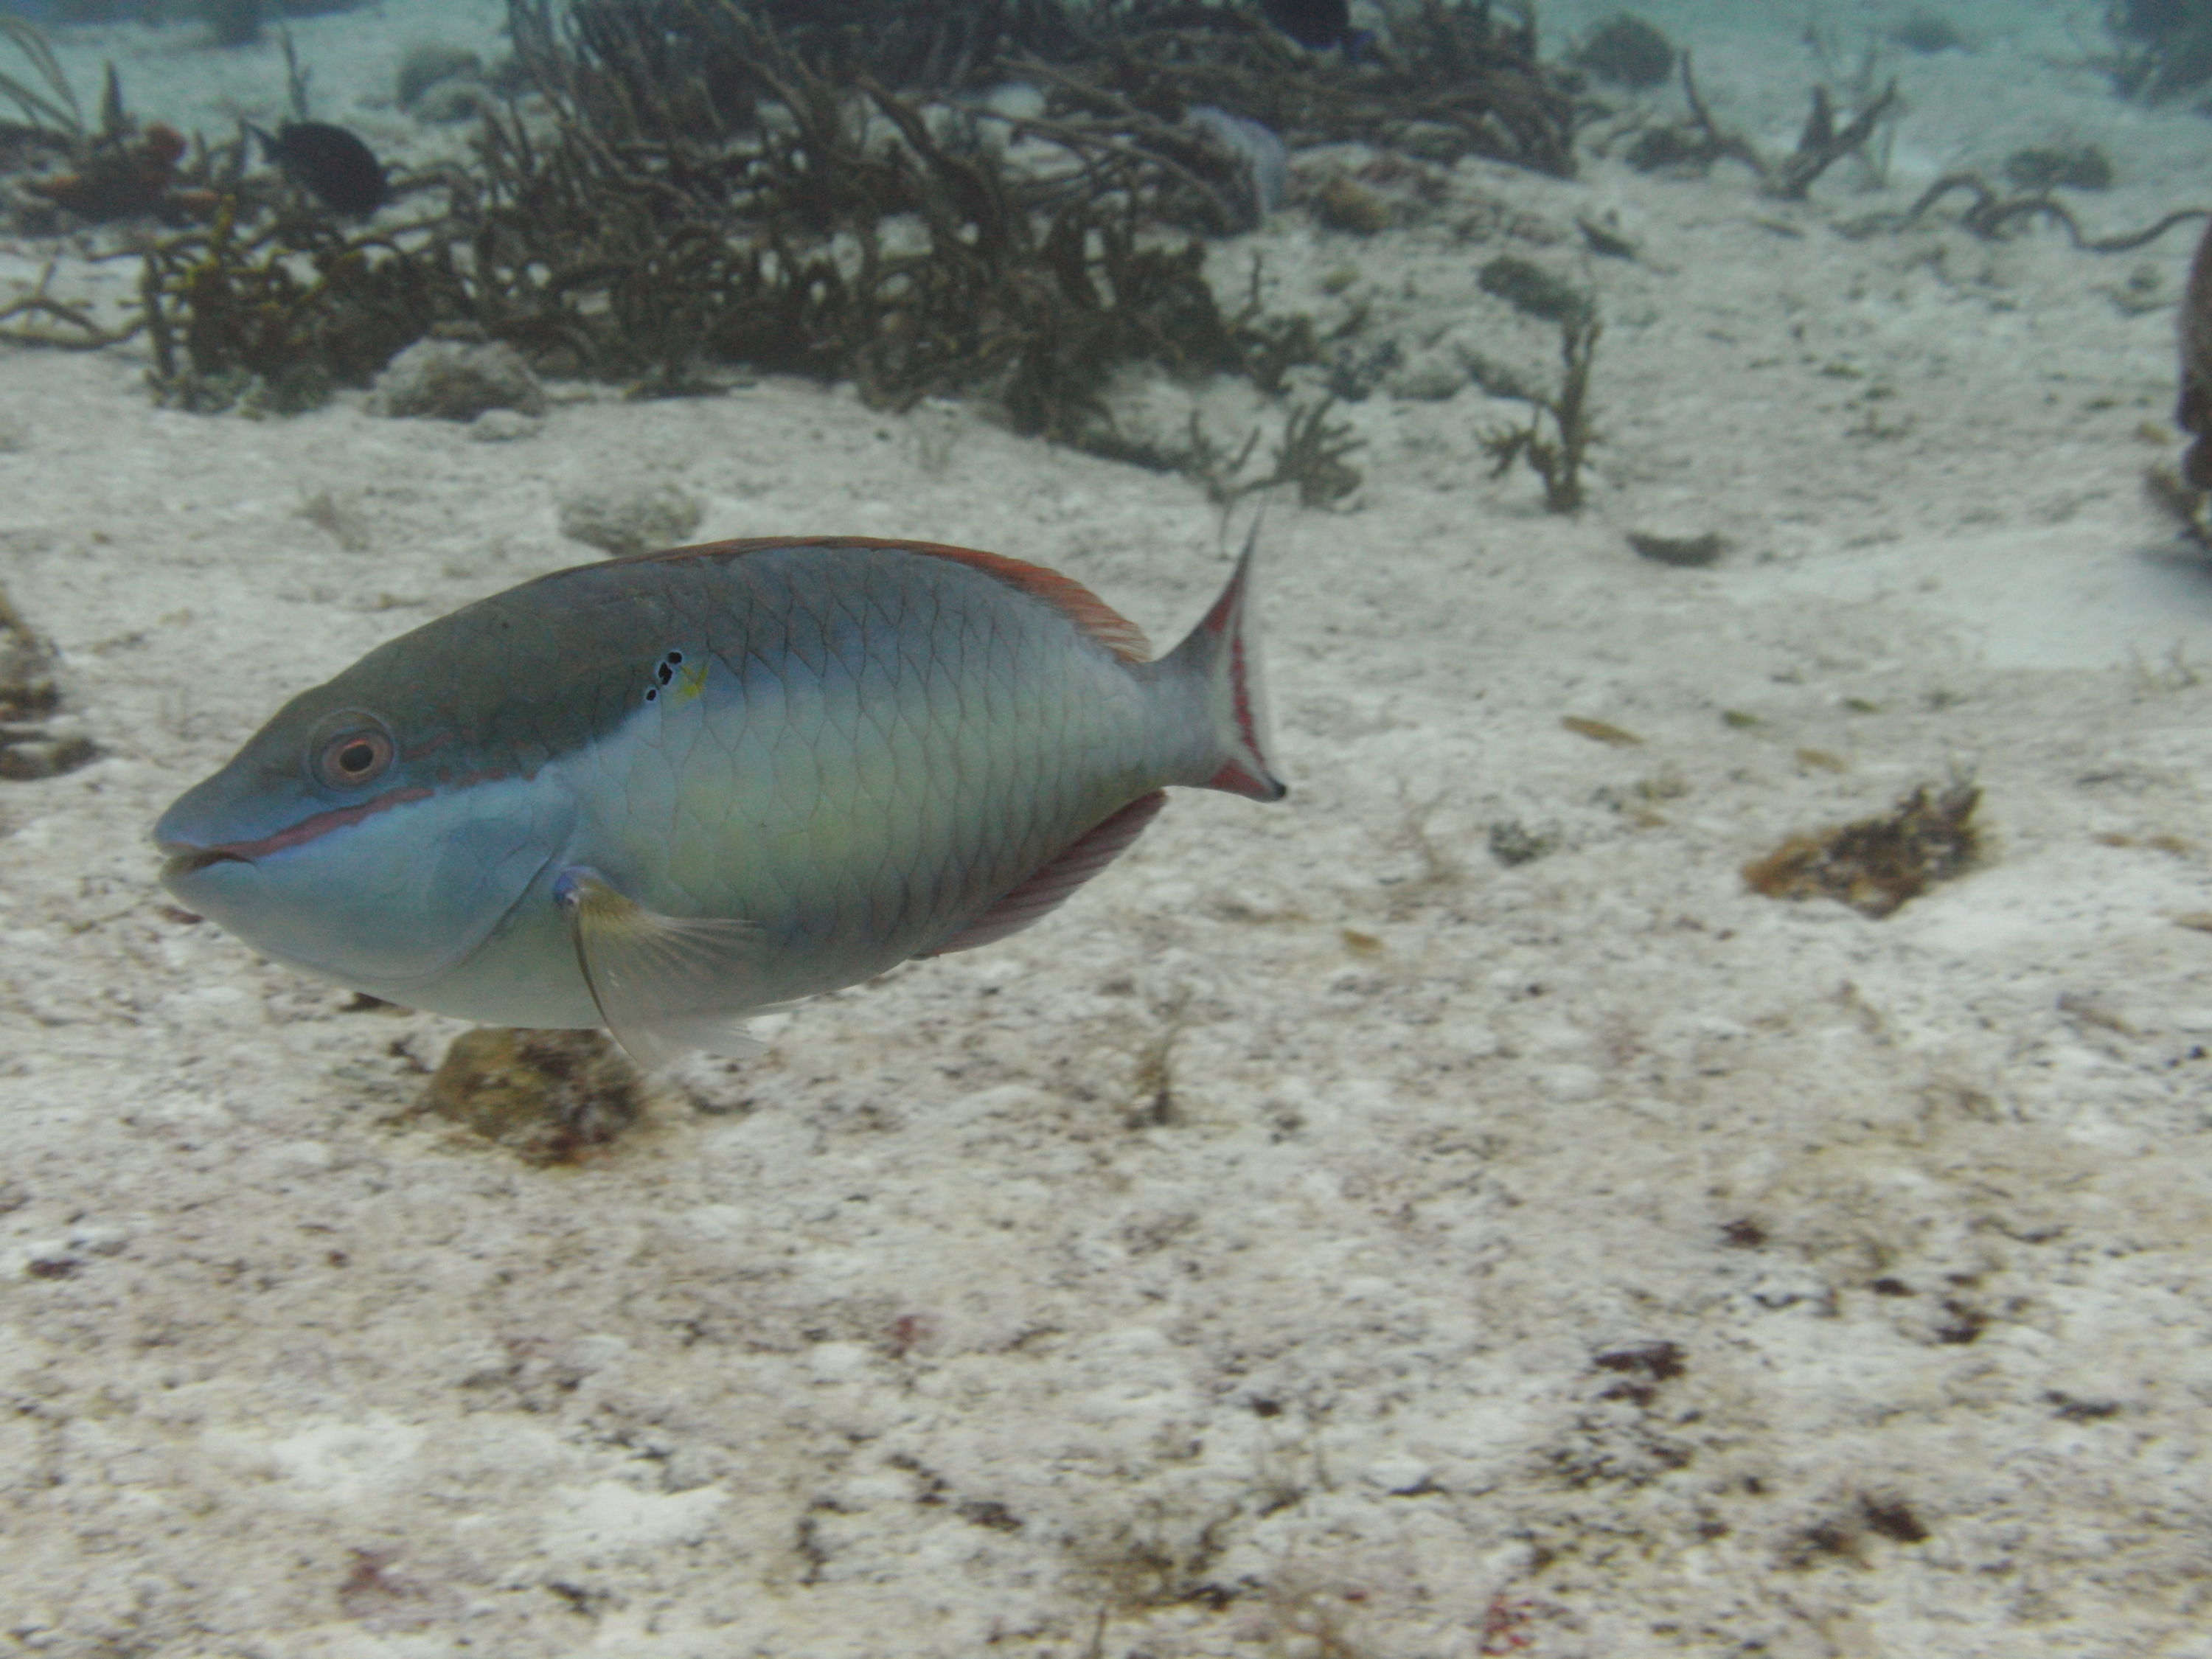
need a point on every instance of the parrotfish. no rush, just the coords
(1319, 24)
(663, 792)
(1315, 23)
(331, 164)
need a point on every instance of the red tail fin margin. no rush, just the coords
(1226, 648)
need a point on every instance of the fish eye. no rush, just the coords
(350, 750)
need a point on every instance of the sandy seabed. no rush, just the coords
(1320, 1238)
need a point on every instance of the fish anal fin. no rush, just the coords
(1089, 614)
(1051, 885)
(663, 984)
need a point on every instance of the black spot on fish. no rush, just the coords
(330, 164)
(663, 670)
(1314, 23)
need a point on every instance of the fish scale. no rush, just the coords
(662, 792)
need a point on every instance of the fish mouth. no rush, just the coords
(187, 860)
(192, 861)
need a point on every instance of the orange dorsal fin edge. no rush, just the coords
(1090, 615)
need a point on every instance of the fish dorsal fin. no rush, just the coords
(663, 984)
(1051, 885)
(1091, 615)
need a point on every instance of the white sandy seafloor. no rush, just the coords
(934, 1332)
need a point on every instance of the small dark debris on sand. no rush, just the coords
(1874, 865)
(27, 669)
(1926, 32)
(2194, 411)
(1600, 731)
(549, 1096)
(1689, 552)
(35, 740)
(1627, 51)
(1512, 842)
(1604, 240)
(1531, 290)
(2045, 167)
(1340, 204)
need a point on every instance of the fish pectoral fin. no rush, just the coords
(1048, 887)
(663, 984)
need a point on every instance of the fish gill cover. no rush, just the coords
(839, 188)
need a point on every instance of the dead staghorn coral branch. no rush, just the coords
(55, 109)
(89, 336)
(1821, 144)
(1990, 215)
(1719, 144)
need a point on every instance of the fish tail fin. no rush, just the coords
(1220, 659)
